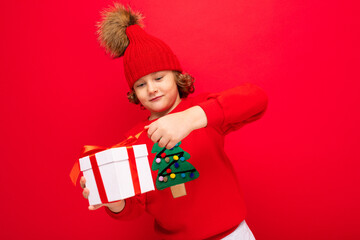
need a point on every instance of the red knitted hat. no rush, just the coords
(121, 34)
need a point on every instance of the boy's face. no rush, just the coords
(158, 92)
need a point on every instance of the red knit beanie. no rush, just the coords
(121, 33)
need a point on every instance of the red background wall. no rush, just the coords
(298, 165)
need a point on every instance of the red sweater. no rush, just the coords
(214, 205)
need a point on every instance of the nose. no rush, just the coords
(152, 88)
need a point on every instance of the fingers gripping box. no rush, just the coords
(117, 173)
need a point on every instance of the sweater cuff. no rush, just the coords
(121, 214)
(213, 111)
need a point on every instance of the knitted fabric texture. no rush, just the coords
(146, 54)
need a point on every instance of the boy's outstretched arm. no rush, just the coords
(226, 111)
(231, 109)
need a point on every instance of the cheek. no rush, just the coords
(174, 90)
(140, 95)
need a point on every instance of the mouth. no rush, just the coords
(155, 98)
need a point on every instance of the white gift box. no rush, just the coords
(114, 168)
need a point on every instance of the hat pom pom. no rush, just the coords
(112, 29)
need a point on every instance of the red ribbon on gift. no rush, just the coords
(90, 150)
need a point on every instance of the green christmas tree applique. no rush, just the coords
(173, 169)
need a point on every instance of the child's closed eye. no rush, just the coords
(140, 85)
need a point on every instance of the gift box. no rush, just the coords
(117, 173)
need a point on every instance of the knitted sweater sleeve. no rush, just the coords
(231, 109)
(134, 207)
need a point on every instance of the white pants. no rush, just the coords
(242, 232)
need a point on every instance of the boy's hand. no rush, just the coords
(172, 128)
(114, 207)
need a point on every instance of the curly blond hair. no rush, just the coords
(184, 82)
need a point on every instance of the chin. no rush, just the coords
(160, 109)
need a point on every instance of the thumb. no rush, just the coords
(94, 207)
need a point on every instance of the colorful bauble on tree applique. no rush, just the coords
(173, 169)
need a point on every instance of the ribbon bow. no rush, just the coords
(90, 150)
